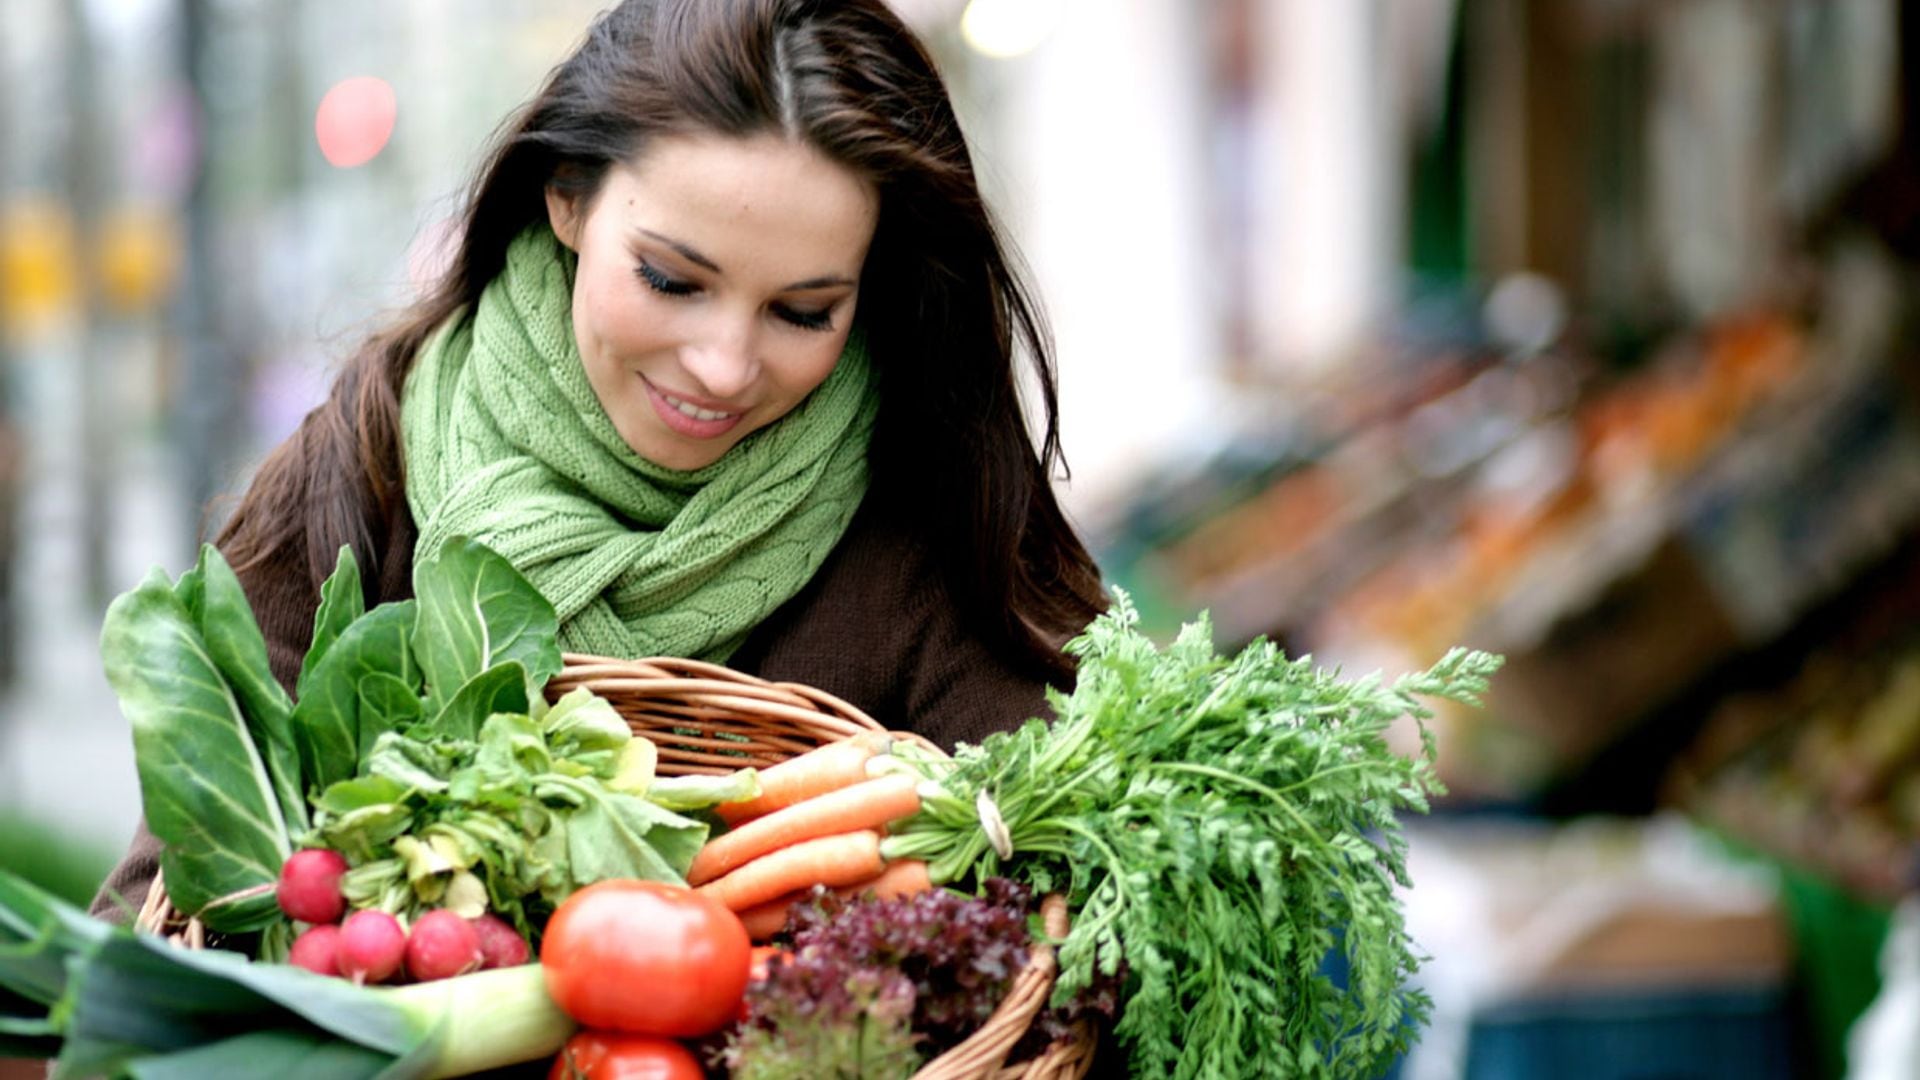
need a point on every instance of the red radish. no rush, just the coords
(441, 946)
(371, 946)
(315, 949)
(309, 888)
(500, 944)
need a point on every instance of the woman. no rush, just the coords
(724, 365)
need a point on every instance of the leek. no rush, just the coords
(126, 1004)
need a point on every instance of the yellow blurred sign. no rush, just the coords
(137, 258)
(39, 274)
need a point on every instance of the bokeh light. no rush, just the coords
(355, 120)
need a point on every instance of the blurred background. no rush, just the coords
(1579, 330)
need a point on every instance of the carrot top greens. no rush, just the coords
(1221, 827)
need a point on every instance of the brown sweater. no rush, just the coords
(872, 627)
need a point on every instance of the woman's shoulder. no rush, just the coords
(876, 627)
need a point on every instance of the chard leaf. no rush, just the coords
(204, 781)
(341, 602)
(234, 641)
(613, 835)
(499, 689)
(476, 611)
(327, 717)
(700, 792)
(387, 703)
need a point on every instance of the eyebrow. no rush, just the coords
(693, 256)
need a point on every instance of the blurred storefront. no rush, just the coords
(1632, 402)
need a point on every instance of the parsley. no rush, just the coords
(1220, 827)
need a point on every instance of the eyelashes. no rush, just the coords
(806, 320)
(661, 283)
(671, 286)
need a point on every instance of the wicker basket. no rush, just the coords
(709, 719)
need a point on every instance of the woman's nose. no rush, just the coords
(722, 361)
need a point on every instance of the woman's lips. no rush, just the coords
(691, 426)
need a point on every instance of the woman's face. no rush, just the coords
(716, 285)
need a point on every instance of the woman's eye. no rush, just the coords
(661, 283)
(806, 320)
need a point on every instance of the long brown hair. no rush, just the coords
(943, 309)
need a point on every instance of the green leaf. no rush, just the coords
(512, 753)
(327, 717)
(341, 602)
(308, 1053)
(418, 765)
(633, 772)
(582, 722)
(359, 816)
(204, 782)
(359, 793)
(387, 703)
(499, 689)
(140, 997)
(476, 611)
(234, 641)
(613, 835)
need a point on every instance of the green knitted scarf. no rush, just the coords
(505, 442)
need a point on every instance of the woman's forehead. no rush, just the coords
(751, 205)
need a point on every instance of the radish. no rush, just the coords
(500, 945)
(371, 946)
(441, 946)
(309, 887)
(315, 949)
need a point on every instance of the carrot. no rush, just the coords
(823, 769)
(833, 861)
(907, 877)
(765, 920)
(868, 804)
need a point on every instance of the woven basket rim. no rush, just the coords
(664, 698)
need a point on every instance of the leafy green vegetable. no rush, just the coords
(205, 782)
(499, 689)
(341, 602)
(475, 612)
(328, 727)
(1220, 827)
(240, 652)
(508, 816)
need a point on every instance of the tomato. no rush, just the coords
(611, 1055)
(646, 958)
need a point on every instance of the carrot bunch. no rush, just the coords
(817, 821)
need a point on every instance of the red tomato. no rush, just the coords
(646, 958)
(611, 1055)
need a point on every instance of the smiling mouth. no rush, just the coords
(694, 411)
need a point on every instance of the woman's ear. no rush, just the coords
(563, 215)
